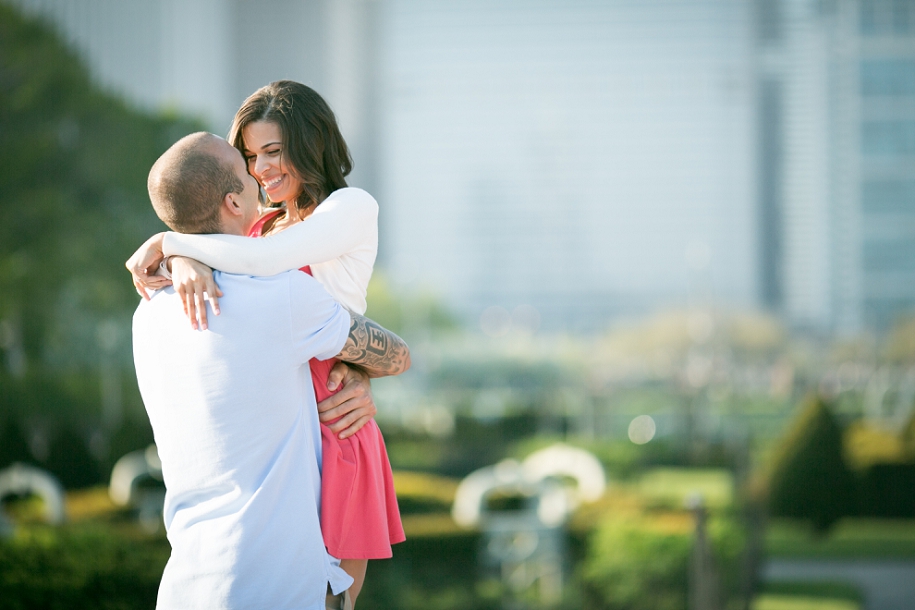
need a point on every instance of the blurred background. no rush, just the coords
(677, 235)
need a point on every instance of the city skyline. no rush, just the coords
(582, 160)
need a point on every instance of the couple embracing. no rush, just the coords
(278, 485)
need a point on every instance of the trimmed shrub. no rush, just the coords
(70, 461)
(13, 445)
(643, 564)
(888, 491)
(84, 566)
(809, 478)
(907, 439)
(866, 445)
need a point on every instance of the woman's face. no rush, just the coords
(264, 154)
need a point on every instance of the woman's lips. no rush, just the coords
(272, 184)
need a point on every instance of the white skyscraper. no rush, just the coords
(586, 158)
(838, 88)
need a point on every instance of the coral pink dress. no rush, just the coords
(359, 514)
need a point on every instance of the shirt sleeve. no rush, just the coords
(319, 325)
(343, 222)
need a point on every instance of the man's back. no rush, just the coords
(233, 413)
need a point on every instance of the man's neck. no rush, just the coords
(232, 226)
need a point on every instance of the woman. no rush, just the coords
(293, 147)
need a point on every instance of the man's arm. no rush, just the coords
(375, 349)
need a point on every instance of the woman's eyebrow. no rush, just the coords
(268, 144)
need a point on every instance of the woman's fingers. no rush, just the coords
(147, 257)
(214, 293)
(157, 282)
(201, 304)
(194, 283)
(190, 307)
(141, 290)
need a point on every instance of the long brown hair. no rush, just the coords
(313, 147)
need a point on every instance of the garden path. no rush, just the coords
(886, 585)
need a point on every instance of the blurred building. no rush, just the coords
(580, 160)
(594, 159)
(204, 57)
(837, 161)
(589, 159)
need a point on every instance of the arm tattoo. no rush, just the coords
(374, 348)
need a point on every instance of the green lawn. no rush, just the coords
(788, 602)
(673, 487)
(870, 538)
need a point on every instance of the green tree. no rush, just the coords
(907, 438)
(73, 203)
(73, 207)
(809, 478)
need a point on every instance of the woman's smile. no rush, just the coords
(264, 154)
(272, 186)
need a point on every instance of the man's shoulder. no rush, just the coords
(273, 293)
(254, 285)
(285, 276)
(157, 299)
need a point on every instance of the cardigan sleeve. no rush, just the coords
(345, 221)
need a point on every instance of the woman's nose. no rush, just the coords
(259, 164)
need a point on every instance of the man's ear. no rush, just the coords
(230, 203)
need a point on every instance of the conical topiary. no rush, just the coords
(908, 439)
(809, 478)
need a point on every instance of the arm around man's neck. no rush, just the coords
(374, 348)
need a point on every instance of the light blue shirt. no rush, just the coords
(235, 422)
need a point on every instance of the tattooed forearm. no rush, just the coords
(377, 350)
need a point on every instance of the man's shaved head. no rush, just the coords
(189, 181)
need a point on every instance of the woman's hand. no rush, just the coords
(353, 404)
(143, 266)
(191, 280)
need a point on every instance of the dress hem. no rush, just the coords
(363, 554)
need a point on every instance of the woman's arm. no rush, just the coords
(344, 221)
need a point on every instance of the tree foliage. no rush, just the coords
(643, 563)
(907, 439)
(73, 207)
(810, 479)
(73, 203)
(80, 566)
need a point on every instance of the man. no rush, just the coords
(232, 408)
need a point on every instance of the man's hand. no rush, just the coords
(143, 265)
(353, 404)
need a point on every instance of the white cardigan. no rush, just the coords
(339, 241)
